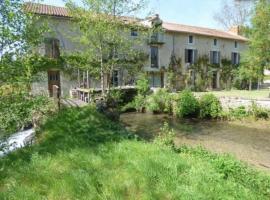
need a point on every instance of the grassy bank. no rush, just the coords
(82, 155)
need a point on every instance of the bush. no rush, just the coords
(160, 101)
(139, 102)
(258, 112)
(210, 107)
(186, 105)
(166, 136)
(20, 110)
(142, 85)
(238, 113)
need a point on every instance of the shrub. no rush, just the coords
(238, 113)
(210, 106)
(142, 85)
(186, 105)
(165, 136)
(258, 112)
(159, 102)
(20, 110)
(139, 102)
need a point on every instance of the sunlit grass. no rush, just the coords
(82, 155)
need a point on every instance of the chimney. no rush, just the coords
(156, 21)
(235, 30)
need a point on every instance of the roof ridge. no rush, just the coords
(196, 26)
(51, 10)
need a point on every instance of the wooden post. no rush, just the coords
(79, 78)
(87, 79)
(83, 79)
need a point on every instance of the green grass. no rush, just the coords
(82, 155)
(254, 94)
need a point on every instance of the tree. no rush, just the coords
(259, 43)
(19, 35)
(105, 35)
(235, 13)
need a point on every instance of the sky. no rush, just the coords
(189, 12)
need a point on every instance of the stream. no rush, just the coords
(16, 140)
(247, 141)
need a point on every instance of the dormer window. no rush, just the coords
(235, 44)
(190, 39)
(215, 42)
(134, 32)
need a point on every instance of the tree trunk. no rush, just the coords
(250, 85)
(258, 84)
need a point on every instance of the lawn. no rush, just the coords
(80, 154)
(254, 94)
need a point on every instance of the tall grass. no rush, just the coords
(82, 155)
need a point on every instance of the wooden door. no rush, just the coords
(53, 79)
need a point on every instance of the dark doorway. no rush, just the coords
(53, 79)
(214, 81)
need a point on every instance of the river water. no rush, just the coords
(15, 141)
(247, 141)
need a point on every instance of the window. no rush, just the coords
(235, 44)
(52, 48)
(154, 57)
(115, 78)
(214, 57)
(53, 77)
(134, 32)
(190, 39)
(190, 56)
(154, 80)
(235, 58)
(215, 42)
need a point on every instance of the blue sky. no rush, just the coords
(190, 12)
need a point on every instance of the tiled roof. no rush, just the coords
(201, 31)
(43, 9)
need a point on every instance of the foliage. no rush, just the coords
(231, 169)
(139, 102)
(229, 73)
(18, 110)
(114, 98)
(18, 29)
(210, 106)
(238, 113)
(166, 136)
(186, 105)
(160, 101)
(258, 112)
(142, 85)
(173, 72)
(258, 55)
(107, 45)
(236, 13)
(20, 33)
(84, 148)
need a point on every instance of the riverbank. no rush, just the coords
(80, 154)
(247, 140)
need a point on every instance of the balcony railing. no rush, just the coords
(156, 38)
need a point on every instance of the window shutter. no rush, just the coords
(211, 57)
(238, 58)
(56, 50)
(232, 60)
(48, 47)
(186, 56)
(219, 57)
